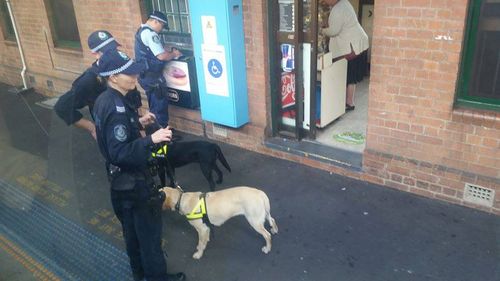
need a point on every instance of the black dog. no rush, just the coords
(181, 153)
(185, 152)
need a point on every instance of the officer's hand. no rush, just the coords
(162, 135)
(147, 119)
(93, 133)
(176, 52)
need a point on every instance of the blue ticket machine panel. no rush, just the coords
(219, 49)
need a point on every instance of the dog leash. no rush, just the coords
(171, 171)
(163, 154)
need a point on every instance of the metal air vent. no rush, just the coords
(219, 131)
(479, 195)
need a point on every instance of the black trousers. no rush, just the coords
(142, 230)
(156, 92)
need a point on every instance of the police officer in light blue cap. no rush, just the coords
(150, 52)
(88, 86)
(135, 198)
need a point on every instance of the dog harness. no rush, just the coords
(199, 211)
(161, 152)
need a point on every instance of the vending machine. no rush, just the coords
(182, 85)
(219, 50)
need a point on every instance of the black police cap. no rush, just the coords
(157, 15)
(117, 62)
(102, 41)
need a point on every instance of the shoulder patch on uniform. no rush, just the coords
(156, 39)
(120, 132)
(120, 109)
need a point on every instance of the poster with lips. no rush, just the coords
(288, 94)
(176, 75)
(181, 82)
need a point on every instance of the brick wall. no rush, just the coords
(10, 62)
(61, 66)
(417, 140)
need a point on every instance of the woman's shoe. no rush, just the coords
(349, 107)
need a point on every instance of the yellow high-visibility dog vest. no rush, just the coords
(198, 211)
(161, 152)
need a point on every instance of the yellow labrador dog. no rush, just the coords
(219, 206)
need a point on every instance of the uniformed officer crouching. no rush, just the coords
(88, 86)
(149, 51)
(135, 199)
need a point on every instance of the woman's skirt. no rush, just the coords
(356, 68)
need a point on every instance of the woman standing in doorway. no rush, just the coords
(347, 40)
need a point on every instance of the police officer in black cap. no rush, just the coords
(135, 198)
(150, 51)
(87, 87)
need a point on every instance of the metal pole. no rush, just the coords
(23, 72)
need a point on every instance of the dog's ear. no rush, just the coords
(170, 197)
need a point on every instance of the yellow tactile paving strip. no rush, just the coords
(39, 271)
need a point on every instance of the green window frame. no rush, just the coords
(62, 19)
(479, 83)
(6, 23)
(177, 12)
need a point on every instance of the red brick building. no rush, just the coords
(433, 123)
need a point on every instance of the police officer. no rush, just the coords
(87, 87)
(135, 199)
(150, 52)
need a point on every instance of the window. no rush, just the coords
(61, 14)
(479, 84)
(177, 12)
(6, 23)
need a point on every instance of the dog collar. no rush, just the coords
(178, 204)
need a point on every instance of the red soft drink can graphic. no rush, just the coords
(288, 94)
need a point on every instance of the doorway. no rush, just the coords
(308, 89)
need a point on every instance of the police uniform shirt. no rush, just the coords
(117, 128)
(152, 40)
(84, 91)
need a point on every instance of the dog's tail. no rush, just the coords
(221, 158)
(272, 222)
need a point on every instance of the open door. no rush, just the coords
(286, 39)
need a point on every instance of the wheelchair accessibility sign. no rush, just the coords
(215, 68)
(214, 60)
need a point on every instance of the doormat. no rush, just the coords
(350, 138)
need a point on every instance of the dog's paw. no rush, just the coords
(266, 249)
(197, 255)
